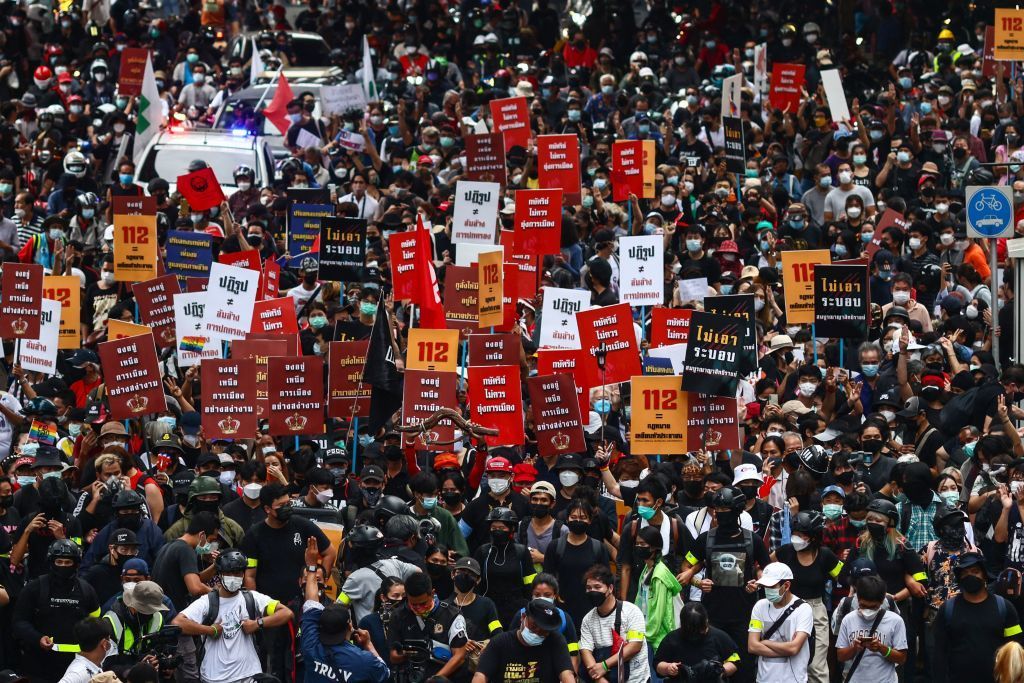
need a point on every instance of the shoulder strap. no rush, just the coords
(782, 619)
(947, 610)
(1001, 606)
(213, 611)
(618, 617)
(560, 545)
(595, 547)
(860, 655)
(377, 570)
(250, 604)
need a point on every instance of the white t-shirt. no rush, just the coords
(782, 669)
(596, 632)
(6, 431)
(232, 656)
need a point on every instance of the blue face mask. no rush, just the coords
(906, 82)
(825, 181)
(531, 638)
(602, 406)
(393, 131)
(968, 449)
(29, 448)
(857, 523)
(885, 275)
(869, 369)
(774, 595)
(587, 202)
(926, 108)
(645, 512)
(865, 237)
(839, 250)
(429, 503)
(125, 178)
(797, 225)
(171, 422)
(574, 115)
(765, 246)
(726, 289)
(365, 439)
(27, 480)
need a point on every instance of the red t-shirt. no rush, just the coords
(82, 389)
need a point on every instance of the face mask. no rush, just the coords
(868, 614)
(869, 369)
(232, 584)
(799, 543)
(693, 246)
(26, 480)
(539, 510)
(371, 496)
(825, 182)
(196, 218)
(602, 406)
(668, 200)
(926, 108)
(845, 177)
(132, 522)
(903, 157)
(191, 440)
(367, 308)
(774, 595)
(647, 513)
(807, 389)
(252, 491)
(971, 311)
(574, 115)
(317, 322)
(326, 495)
(530, 638)
(596, 598)
(587, 202)
(900, 298)
(464, 582)
(19, 213)
(568, 478)
(968, 449)
(765, 246)
(284, 513)
(972, 584)
(946, 239)
(578, 526)
(51, 475)
(876, 530)
(860, 159)
(853, 211)
(108, 277)
(839, 250)
(831, 511)
(6, 502)
(498, 486)
(500, 537)
(600, 183)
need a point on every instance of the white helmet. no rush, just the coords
(75, 163)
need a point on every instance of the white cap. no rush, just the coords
(775, 573)
(745, 472)
(593, 425)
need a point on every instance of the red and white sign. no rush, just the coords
(538, 222)
(347, 396)
(556, 417)
(261, 351)
(461, 287)
(610, 328)
(425, 392)
(270, 282)
(131, 373)
(229, 398)
(511, 117)
(249, 258)
(627, 169)
(296, 391)
(527, 272)
(712, 423)
(494, 349)
(485, 158)
(21, 300)
(558, 165)
(569, 362)
(670, 326)
(496, 401)
(402, 248)
(156, 306)
(786, 85)
(275, 316)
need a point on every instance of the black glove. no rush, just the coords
(706, 669)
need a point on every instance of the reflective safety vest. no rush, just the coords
(123, 634)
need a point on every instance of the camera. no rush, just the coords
(414, 670)
(112, 486)
(164, 646)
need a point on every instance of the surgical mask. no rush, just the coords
(530, 638)
(888, 415)
(971, 311)
(946, 239)
(799, 543)
(607, 89)
(845, 177)
(602, 406)
(317, 322)
(75, 109)
(876, 135)
(600, 183)
(774, 595)
(226, 477)
(853, 211)
(108, 277)
(865, 237)
(903, 157)
(825, 181)
(125, 178)
(447, 141)
(693, 245)
(668, 199)
(568, 478)
(327, 494)
(950, 498)
(968, 449)
(765, 245)
(807, 389)
(367, 308)
(430, 503)
(574, 115)
(860, 159)
(647, 513)
(869, 369)
(232, 584)
(243, 186)
(900, 298)
(56, 233)
(868, 614)
(20, 213)
(498, 486)
(758, 305)
(252, 491)
(831, 511)
(168, 420)
(26, 480)
(587, 202)
(195, 218)
(839, 250)
(365, 439)
(926, 108)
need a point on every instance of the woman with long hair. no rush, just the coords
(657, 586)
(1009, 666)
(389, 596)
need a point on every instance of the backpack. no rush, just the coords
(556, 530)
(213, 611)
(748, 542)
(959, 411)
(1008, 583)
(562, 543)
(674, 523)
(947, 609)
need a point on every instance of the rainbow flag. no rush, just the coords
(43, 433)
(194, 344)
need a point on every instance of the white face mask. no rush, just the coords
(232, 584)
(498, 486)
(324, 496)
(946, 239)
(867, 613)
(888, 415)
(251, 491)
(853, 212)
(900, 298)
(914, 243)
(845, 177)
(943, 208)
(243, 186)
(108, 277)
(807, 389)
(568, 478)
(227, 477)
(799, 543)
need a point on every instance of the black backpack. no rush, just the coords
(213, 611)
(959, 411)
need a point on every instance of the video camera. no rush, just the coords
(414, 670)
(164, 646)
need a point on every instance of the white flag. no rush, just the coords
(369, 83)
(151, 112)
(256, 66)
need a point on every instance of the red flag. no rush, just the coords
(426, 295)
(277, 111)
(201, 189)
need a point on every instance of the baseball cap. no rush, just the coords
(543, 487)
(838, 490)
(124, 537)
(912, 408)
(545, 614)
(775, 573)
(468, 564)
(82, 356)
(972, 559)
(499, 464)
(372, 472)
(190, 423)
(135, 564)
(745, 472)
(569, 461)
(446, 461)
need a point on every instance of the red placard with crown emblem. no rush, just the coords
(156, 306)
(229, 398)
(296, 394)
(556, 414)
(712, 423)
(131, 372)
(21, 300)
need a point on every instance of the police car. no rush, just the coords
(168, 155)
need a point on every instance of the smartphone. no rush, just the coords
(773, 399)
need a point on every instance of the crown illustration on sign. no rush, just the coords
(137, 404)
(167, 335)
(429, 437)
(229, 425)
(19, 326)
(714, 437)
(296, 422)
(259, 409)
(560, 441)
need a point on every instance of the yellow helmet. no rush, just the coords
(946, 34)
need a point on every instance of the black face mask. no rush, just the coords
(283, 513)
(63, 573)
(539, 511)
(792, 461)
(871, 445)
(597, 598)
(578, 526)
(749, 491)
(500, 537)
(592, 482)
(644, 553)
(876, 530)
(728, 521)
(436, 571)
(309, 279)
(952, 536)
(254, 240)
(6, 502)
(693, 487)
(451, 498)
(464, 582)
(132, 522)
(205, 506)
(372, 496)
(972, 584)
(846, 478)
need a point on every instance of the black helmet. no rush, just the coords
(232, 561)
(815, 458)
(884, 507)
(729, 497)
(810, 522)
(244, 171)
(64, 548)
(502, 515)
(947, 515)
(388, 507)
(402, 527)
(366, 537)
(127, 498)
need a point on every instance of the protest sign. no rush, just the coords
(261, 351)
(653, 365)
(493, 349)
(436, 350)
(608, 330)
(841, 301)
(475, 217)
(135, 239)
(786, 86)
(274, 316)
(485, 158)
(460, 298)
(641, 270)
(338, 99)
(250, 258)
(511, 117)
(342, 249)
(192, 344)
(229, 398)
(988, 59)
(509, 294)
(189, 254)
(832, 82)
(229, 298)
(270, 282)
(569, 362)
(658, 418)
(121, 329)
(738, 306)
(425, 392)
(627, 169)
(556, 416)
(347, 396)
(761, 68)
(890, 218)
(735, 145)
(132, 70)
(692, 289)
(496, 401)
(467, 253)
(155, 299)
(21, 300)
(345, 139)
(538, 222)
(402, 248)
(670, 326)
(131, 375)
(558, 327)
(196, 284)
(66, 290)
(40, 354)
(527, 273)
(558, 165)
(490, 310)
(200, 189)
(712, 354)
(712, 423)
(798, 283)
(295, 395)
(1008, 37)
(675, 354)
(304, 225)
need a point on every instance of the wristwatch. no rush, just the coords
(259, 622)
(312, 568)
